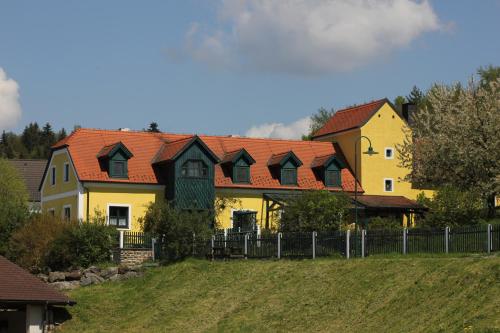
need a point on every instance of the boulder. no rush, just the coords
(43, 277)
(56, 276)
(129, 275)
(116, 277)
(66, 285)
(90, 278)
(108, 272)
(92, 269)
(123, 269)
(73, 275)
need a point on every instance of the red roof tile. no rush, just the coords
(148, 148)
(350, 118)
(19, 286)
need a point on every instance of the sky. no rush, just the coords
(256, 68)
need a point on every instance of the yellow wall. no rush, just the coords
(252, 201)
(137, 198)
(58, 159)
(58, 204)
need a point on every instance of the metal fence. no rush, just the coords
(134, 240)
(349, 244)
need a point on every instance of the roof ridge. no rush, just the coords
(361, 105)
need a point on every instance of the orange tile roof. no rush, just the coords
(350, 118)
(84, 144)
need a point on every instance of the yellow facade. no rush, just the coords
(59, 159)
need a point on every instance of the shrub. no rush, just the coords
(451, 207)
(13, 203)
(315, 211)
(30, 244)
(82, 245)
(174, 228)
(384, 223)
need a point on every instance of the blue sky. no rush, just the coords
(215, 67)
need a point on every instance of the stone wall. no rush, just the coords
(132, 256)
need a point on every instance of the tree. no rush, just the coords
(13, 202)
(47, 140)
(31, 137)
(61, 134)
(153, 127)
(315, 211)
(318, 120)
(416, 97)
(398, 103)
(487, 75)
(454, 140)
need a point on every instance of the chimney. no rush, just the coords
(408, 110)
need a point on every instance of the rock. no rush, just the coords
(56, 276)
(73, 275)
(135, 268)
(66, 285)
(43, 277)
(116, 277)
(130, 275)
(123, 269)
(92, 269)
(90, 278)
(108, 272)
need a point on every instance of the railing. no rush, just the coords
(134, 240)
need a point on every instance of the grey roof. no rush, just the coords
(32, 173)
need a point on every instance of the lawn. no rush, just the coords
(397, 294)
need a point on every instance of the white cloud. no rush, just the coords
(10, 108)
(294, 130)
(307, 37)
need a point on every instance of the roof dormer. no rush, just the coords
(329, 168)
(285, 166)
(114, 159)
(238, 162)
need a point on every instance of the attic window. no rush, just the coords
(238, 162)
(329, 168)
(241, 174)
(287, 164)
(115, 158)
(332, 178)
(194, 169)
(289, 176)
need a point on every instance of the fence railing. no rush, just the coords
(134, 240)
(349, 244)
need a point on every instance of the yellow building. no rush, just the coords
(119, 173)
(377, 125)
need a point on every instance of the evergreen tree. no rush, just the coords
(48, 139)
(153, 127)
(398, 103)
(61, 134)
(416, 97)
(31, 138)
(318, 120)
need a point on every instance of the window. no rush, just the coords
(289, 176)
(244, 220)
(332, 178)
(389, 153)
(388, 185)
(67, 213)
(53, 176)
(51, 211)
(242, 174)
(119, 216)
(194, 169)
(66, 172)
(118, 169)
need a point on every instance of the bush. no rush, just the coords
(451, 207)
(315, 211)
(174, 228)
(30, 245)
(384, 223)
(82, 245)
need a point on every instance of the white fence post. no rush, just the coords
(246, 246)
(121, 239)
(153, 241)
(347, 248)
(314, 244)
(490, 241)
(447, 239)
(213, 245)
(225, 238)
(279, 245)
(363, 233)
(405, 239)
(258, 235)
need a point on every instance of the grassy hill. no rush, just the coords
(412, 294)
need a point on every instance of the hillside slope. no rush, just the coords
(335, 295)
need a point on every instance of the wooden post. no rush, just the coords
(347, 247)
(279, 245)
(490, 241)
(314, 244)
(446, 239)
(121, 239)
(363, 234)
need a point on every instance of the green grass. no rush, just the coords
(394, 294)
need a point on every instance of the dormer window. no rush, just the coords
(329, 169)
(194, 169)
(114, 158)
(285, 165)
(238, 164)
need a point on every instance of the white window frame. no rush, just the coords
(392, 153)
(244, 211)
(66, 174)
(129, 214)
(63, 209)
(53, 175)
(392, 183)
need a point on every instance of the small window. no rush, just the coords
(118, 217)
(388, 185)
(389, 153)
(332, 178)
(118, 169)
(67, 213)
(53, 176)
(288, 176)
(194, 169)
(66, 172)
(244, 221)
(241, 174)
